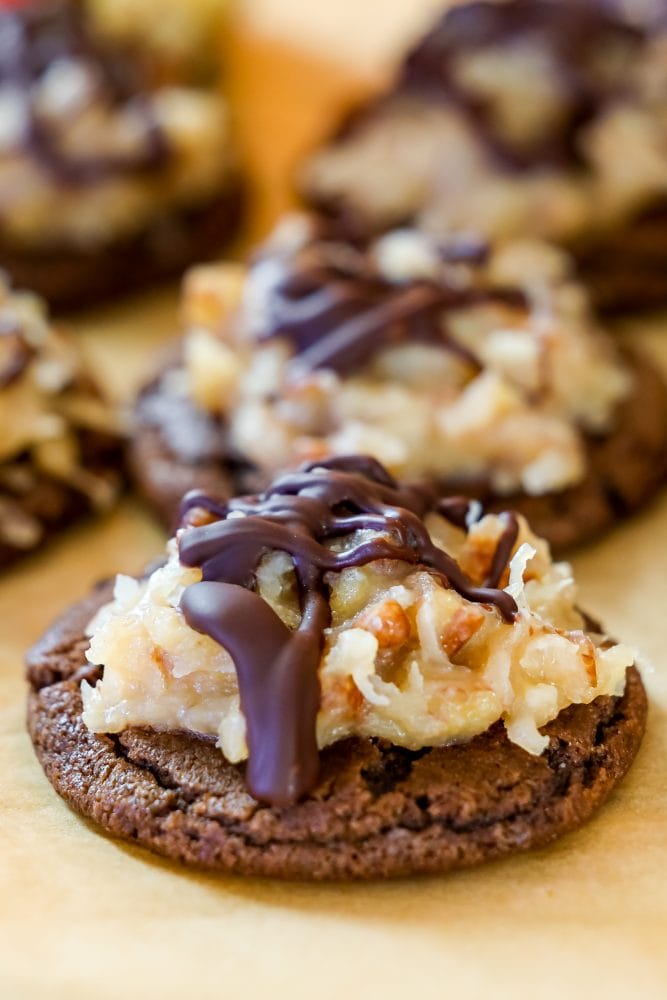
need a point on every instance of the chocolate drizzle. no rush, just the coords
(33, 37)
(337, 309)
(504, 549)
(299, 514)
(572, 33)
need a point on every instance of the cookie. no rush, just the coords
(115, 171)
(184, 41)
(626, 469)
(36, 506)
(627, 271)
(474, 390)
(377, 812)
(70, 278)
(513, 118)
(61, 454)
(370, 807)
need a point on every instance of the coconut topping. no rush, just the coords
(441, 358)
(341, 604)
(90, 147)
(48, 406)
(515, 116)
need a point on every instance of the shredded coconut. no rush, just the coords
(517, 424)
(405, 658)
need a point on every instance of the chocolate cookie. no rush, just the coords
(72, 278)
(36, 506)
(450, 361)
(627, 270)
(62, 448)
(116, 171)
(377, 810)
(177, 447)
(514, 117)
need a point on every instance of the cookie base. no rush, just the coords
(69, 278)
(625, 468)
(627, 270)
(378, 810)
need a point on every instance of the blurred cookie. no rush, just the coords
(538, 117)
(183, 40)
(60, 450)
(111, 176)
(482, 372)
(265, 721)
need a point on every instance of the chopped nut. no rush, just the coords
(405, 657)
(210, 293)
(479, 549)
(213, 370)
(342, 694)
(197, 517)
(587, 654)
(310, 449)
(159, 658)
(307, 406)
(465, 621)
(389, 624)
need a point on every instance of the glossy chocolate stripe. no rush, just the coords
(298, 514)
(504, 547)
(572, 33)
(337, 309)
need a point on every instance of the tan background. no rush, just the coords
(84, 916)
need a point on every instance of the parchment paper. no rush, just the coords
(82, 915)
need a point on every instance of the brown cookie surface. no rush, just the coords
(177, 447)
(69, 278)
(377, 810)
(627, 270)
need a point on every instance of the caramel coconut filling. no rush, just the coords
(515, 117)
(89, 152)
(387, 614)
(443, 360)
(47, 401)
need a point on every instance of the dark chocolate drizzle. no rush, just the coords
(298, 514)
(504, 548)
(33, 36)
(337, 310)
(572, 32)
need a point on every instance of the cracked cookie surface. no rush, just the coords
(377, 810)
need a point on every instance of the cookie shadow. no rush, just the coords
(523, 884)
(535, 884)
